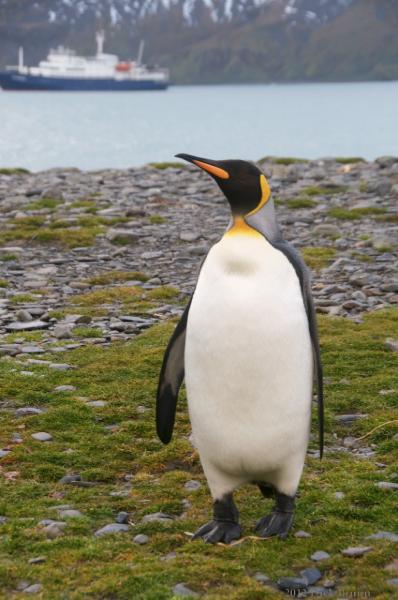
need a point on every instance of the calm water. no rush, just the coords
(91, 131)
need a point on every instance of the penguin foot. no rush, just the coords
(218, 531)
(277, 523)
(225, 525)
(280, 520)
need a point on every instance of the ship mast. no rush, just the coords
(100, 37)
(140, 52)
(20, 58)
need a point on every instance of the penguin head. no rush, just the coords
(242, 183)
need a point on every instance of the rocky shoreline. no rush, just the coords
(109, 253)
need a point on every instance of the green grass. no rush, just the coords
(50, 203)
(349, 160)
(167, 165)
(323, 191)
(283, 160)
(87, 332)
(14, 171)
(296, 203)
(116, 276)
(356, 213)
(157, 219)
(22, 298)
(79, 565)
(4, 283)
(317, 257)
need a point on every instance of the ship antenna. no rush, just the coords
(140, 52)
(20, 58)
(100, 37)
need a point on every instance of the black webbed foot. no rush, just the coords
(215, 532)
(225, 525)
(280, 520)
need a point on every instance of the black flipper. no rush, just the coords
(170, 380)
(303, 275)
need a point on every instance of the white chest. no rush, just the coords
(248, 358)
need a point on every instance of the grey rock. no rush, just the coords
(393, 581)
(70, 513)
(111, 528)
(53, 531)
(391, 344)
(339, 495)
(152, 255)
(302, 534)
(180, 589)
(2, 520)
(140, 539)
(68, 479)
(59, 366)
(23, 316)
(355, 552)
(261, 578)
(32, 349)
(350, 418)
(35, 588)
(320, 555)
(3, 453)
(158, 517)
(42, 436)
(311, 575)
(189, 236)
(27, 326)
(192, 485)
(327, 229)
(122, 517)
(124, 236)
(37, 560)
(383, 535)
(387, 485)
(62, 332)
(27, 411)
(65, 388)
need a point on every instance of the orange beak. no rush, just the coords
(207, 165)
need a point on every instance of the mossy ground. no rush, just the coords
(78, 565)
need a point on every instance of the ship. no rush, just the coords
(64, 70)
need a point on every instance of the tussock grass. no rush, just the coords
(356, 213)
(296, 203)
(317, 257)
(78, 565)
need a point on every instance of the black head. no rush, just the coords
(243, 184)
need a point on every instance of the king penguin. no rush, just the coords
(247, 345)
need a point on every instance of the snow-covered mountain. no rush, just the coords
(217, 40)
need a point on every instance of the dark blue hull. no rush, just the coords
(12, 80)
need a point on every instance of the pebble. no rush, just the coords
(111, 528)
(70, 513)
(37, 560)
(2, 520)
(355, 552)
(302, 534)
(192, 485)
(53, 531)
(261, 578)
(35, 588)
(339, 495)
(122, 517)
(141, 539)
(320, 555)
(27, 326)
(393, 581)
(383, 535)
(42, 436)
(158, 517)
(180, 589)
(65, 388)
(311, 575)
(387, 485)
(3, 453)
(391, 344)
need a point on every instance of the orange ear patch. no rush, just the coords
(212, 169)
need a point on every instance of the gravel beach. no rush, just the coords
(62, 229)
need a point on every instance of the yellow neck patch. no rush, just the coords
(240, 227)
(265, 194)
